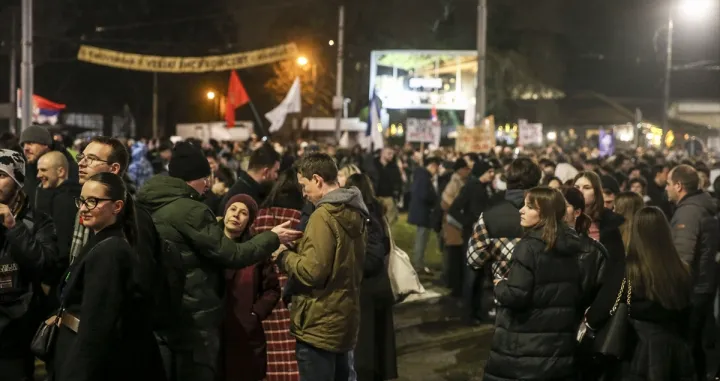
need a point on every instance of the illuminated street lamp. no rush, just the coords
(302, 61)
(331, 42)
(696, 9)
(210, 95)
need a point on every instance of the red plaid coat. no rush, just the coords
(281, 361)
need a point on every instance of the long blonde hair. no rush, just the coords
(626, 205)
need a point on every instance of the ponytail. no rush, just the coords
(128, 215)
(582, 224)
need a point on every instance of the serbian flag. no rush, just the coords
(44, 111)
(236, 97)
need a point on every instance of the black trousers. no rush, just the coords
(702, 307)
(454, 269)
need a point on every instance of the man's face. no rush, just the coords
(49, 174)
(634, 174)
(387, 154)
(549, 170)
(166, 154)
(310, 187)
(626, 165)
(270, 174)
(609, 200)
(433, 168)
(94, 161)
(464, 172)
(213, 164)
(673, 189)
(33, 151)
(8, 188)
(662, 177)
(488, 176)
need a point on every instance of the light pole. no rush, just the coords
(692, 9)
(480, 96)
(26, 75)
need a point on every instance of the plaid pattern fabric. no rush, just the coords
(281, 361)
(79, 238)
(482, 248)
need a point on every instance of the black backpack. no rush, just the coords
(168, 281)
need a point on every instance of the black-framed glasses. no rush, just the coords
(90, 202)
(91, 159)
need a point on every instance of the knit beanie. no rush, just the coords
(481, 167)
(36, 134)
(248, 201)
(188, 163)
(13, 164)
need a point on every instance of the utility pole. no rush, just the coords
(480, 98)
(668, 75)
(338, 99)
(155, 106)
(13, 74)
(26, 76)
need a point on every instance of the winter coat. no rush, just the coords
(59, 204)
(190, 225)
(114, 340)
(252, 293)
(31, 181)
(375, 355)
(593, 263)
(658, 348)
(610, 236)
(140, 168)
(472, 201)
(27, 251)
(538, 314)
(695, 234)
(424, 198)
(386, 179)
(329, 265)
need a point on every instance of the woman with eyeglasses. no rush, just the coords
(105, 331)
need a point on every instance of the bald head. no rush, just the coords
(52, 169)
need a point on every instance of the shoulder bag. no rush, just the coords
(611, 339)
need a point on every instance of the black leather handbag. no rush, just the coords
(42, 343)
(611, 339)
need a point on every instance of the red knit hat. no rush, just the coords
(248, 201)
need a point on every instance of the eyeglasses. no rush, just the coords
(90, 202)
(90, 159)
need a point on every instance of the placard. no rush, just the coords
(479, 139)
(529, 133)
(422, 131)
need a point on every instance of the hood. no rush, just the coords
(341, 204)
(139, 151)
(516, 197)
(700, 199)
(567, 243)
(161, 190)
(610, 220)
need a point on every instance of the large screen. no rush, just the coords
(421, 79)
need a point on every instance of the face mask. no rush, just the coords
(498, 184)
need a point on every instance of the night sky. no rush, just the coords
(604, 46)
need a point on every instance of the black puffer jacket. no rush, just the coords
(538, 317)
(610, 236)
(593, 260)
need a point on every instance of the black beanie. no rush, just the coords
(481, 166)
(188, 163)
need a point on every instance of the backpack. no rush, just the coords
(168, 281)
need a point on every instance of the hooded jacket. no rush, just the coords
(182, 219)
(695, 234)
(329, 264)
(539, 314)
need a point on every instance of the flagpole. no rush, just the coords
(258, 120)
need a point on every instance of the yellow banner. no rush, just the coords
(160, 64)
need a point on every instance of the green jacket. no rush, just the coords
(325, 313)
(181, 218)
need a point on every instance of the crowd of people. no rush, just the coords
(255, 261)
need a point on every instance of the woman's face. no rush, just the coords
(529, 215)
(554, 184)
(236, 219)
(584, 186)
(97, 210)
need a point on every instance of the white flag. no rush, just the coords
(291, 103)
(375, 125)
(344, 140)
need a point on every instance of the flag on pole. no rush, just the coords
(291, 103)
(236, 97)
(44, 111)
(374, 129)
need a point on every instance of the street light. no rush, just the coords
(696, 9)
(302, 61)
(210, 95)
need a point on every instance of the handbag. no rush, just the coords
(44, 339)
(611, 339)
(403, 278)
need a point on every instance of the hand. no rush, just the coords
(277, 252)
(496, 281)
(286, 234)
(8, 220)
(219, 188)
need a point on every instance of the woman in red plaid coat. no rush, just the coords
(282, 204)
